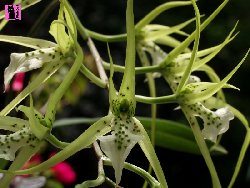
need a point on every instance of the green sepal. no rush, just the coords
(210, 91)
(154, 32)
(149, 152)
(112, 90)
(27, 41)
(12, 123)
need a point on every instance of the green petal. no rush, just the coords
(70, 21)
(36, 127)
(153, 33)
(57, 30)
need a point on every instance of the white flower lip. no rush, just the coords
(215, 123)
(23, 62)
(118, 145)
(9, 144)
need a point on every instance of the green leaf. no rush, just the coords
(172, 135)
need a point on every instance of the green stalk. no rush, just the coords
(156, 100)
(138, 70)
(141, 172)
(203, 148)
(92, 77)
(58, 94)
(241, 157)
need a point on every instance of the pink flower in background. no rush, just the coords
(64, 173)
(18, 82)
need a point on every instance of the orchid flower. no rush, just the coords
(25, 133)
(49, 55)
(194, 89)
(125, 129)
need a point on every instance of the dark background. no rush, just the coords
(108, 17)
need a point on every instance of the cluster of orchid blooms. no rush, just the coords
(119, 131)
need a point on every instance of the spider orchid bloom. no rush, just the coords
(25, 133)
(192, 99)
(179, 62)
(45, 52)
(125, 131)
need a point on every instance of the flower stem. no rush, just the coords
(58, 94)
(152, 91)
(156, 100)
(241, 157)
(138, 70)
(203, 148)
(150, 179)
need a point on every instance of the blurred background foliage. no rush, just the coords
(87, 100)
